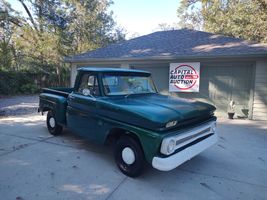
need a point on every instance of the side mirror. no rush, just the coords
(87, 92)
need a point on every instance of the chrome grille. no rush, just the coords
(193, 136)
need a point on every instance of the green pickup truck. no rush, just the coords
(123, 107)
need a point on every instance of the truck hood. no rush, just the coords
(158, 109)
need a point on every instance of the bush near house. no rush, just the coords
(27, 82)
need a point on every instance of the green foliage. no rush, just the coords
(29, 88)
(5, 54)
(189, 14)
(29, 82)
(8, 22)
(246, 19)
(15, 83)
(91, 25)
(52, 29)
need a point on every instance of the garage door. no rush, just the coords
(218, 85)
(229, 83)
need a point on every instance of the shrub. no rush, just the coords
(28, 82)
(29, 89)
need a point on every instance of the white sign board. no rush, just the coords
(184, 77)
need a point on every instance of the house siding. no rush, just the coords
(220, 82)
(260, 92)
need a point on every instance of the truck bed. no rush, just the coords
(61, 91)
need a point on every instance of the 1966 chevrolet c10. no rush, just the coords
(123, 107)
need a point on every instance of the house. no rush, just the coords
(230, 68)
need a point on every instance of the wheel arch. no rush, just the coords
(45, 109)
(60, 113)
(149, 143)
(115, 133)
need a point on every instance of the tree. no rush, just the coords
(167, 27)
(189, 14)
(71, 26)
(91, 25)
(246, 19)
(53, 29)
(8, 21)
(36, 44)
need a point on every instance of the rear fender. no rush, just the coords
(57, 104)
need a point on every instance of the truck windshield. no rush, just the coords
(125, 85)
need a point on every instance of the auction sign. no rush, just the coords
(184, 77)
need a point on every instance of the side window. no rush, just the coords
(89, 85)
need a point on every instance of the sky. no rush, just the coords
(143, 16)
(137, 17)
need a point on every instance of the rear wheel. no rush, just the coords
(129, 156)
(53, 127)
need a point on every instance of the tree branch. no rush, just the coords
(29, 14)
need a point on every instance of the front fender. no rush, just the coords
(149, 140)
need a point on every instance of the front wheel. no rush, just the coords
(129, 156)
(53, 127)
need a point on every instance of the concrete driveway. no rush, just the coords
(35, 165)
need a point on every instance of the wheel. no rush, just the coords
(53, 127)
(129, 156)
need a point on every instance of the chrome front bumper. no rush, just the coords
(173, 161)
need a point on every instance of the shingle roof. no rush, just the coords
(183, 43)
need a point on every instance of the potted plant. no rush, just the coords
(231, 109)
(245, 111)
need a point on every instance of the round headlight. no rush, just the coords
(171, 146)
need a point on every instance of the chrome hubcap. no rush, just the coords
(52, 122)
(128, 156)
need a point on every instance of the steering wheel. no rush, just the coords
(138, 88)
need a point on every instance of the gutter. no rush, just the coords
(163, 58)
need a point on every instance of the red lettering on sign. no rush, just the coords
(191, 77)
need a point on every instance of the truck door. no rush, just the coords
(81, 110)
